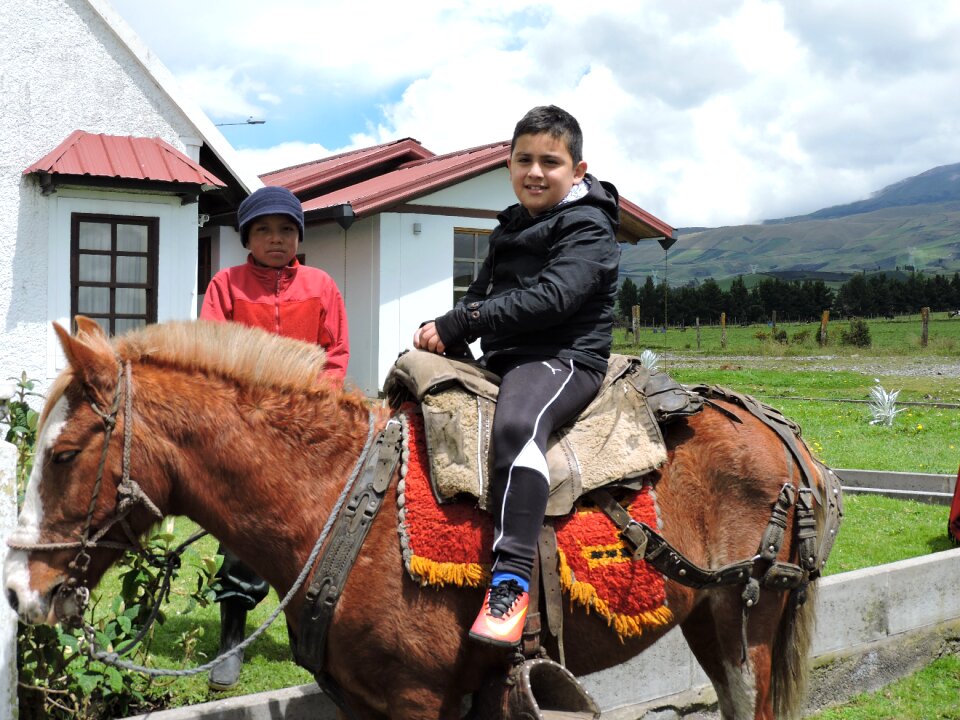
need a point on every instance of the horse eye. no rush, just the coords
(65, 456)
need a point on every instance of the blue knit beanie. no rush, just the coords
(270, 200)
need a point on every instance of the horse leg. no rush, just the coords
(713, 632)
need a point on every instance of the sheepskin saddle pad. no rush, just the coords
(615, 440)
(449, 545)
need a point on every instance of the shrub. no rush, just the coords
(761, 336)
(857, 335)
(799, 338)
(780, 336)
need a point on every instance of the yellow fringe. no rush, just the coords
(626, 626)
(432, 572)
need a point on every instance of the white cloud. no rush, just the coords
(703, 113)
(262, 160)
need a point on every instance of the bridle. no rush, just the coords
(129, 496)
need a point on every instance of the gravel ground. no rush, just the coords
(872, 366)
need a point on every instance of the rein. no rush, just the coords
(113, 658)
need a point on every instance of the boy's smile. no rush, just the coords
(273, 240)
(542, 171)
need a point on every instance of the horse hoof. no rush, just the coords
(226, 673)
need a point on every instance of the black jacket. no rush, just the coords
(548, 284)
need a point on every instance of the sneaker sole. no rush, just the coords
(486, 639)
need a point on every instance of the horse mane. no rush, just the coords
(237, 352)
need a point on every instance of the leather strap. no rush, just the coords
(346, 539)
(654, 548)
(550, 581)
(530, 642)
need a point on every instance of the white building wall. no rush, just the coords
(176, 269)
(61, 69)
(490, 191)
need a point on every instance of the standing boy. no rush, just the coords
(543, 307)
(272, 291)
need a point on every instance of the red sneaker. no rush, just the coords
(501, 618)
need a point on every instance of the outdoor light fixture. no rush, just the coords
(249, 121)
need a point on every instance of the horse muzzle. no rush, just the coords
(32, 606)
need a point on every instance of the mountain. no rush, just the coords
(912, 224)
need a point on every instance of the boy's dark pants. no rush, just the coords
(537, 395)
(238, 583)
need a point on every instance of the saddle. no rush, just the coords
(615, 440)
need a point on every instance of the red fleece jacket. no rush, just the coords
(296, 301)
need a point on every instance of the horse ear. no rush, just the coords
(89, 354)
(87, 326)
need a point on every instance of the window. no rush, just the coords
(469, 252)
(113, 270)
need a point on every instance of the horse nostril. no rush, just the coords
(12, 599)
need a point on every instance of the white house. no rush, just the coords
(403, 232)
(118, 200)
(106, 175)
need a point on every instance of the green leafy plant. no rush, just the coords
(21, 420)
(883, 405)
(857, 335)
(650, 360)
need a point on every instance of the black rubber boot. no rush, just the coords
(233, 620)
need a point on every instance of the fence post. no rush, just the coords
(925, 321)
(635, 320)
(723, 330)
(8, 619)
(698, 332)
(824, 319)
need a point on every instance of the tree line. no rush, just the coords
(792, 300)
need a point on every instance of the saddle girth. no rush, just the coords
(347, 535)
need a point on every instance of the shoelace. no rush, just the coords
(503, 596)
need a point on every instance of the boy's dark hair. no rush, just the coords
(556, 121)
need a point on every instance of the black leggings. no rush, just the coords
(537, 395)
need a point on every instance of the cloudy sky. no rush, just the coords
(704, 113)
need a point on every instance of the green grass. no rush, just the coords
(932, 693)
(268, 664)
(899, 337)
(879, 530)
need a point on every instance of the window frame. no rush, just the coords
(109, 319)
(477, 260)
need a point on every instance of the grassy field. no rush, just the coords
(875, 530)
(898, 337)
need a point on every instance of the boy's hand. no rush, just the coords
(427, 338)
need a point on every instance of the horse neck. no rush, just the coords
(258, 468)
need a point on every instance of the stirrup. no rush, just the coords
(546, 690)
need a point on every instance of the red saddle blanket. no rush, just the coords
(449, 544)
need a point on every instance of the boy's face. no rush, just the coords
(273, 240)
(542, 171)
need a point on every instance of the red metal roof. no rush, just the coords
(329, 171)
(124, 157)
(433, 173)
(414, 179)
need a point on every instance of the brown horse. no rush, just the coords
(229, 426)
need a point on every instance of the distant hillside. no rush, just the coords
(940, 185)
(914, 223)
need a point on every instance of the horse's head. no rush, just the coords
(68, 533)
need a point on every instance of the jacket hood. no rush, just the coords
(602, 194)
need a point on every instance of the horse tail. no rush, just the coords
(791, 648)
(790, 676)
